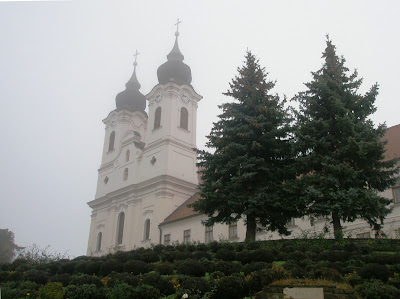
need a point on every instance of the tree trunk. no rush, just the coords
(251, 228)
(337, 228)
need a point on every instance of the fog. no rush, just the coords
(62, 63)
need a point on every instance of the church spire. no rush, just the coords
(131, 98)
(174, 70)
(175, 53)
(133, 81)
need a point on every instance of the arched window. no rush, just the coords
(184, 118)
(157, 118)
(98, 243)
(120, 227)
(146, 235)
(125, 174)
(128, 153)
(112, 140)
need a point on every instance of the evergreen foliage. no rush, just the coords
(341, 152)
(244, 176)
(7, 246)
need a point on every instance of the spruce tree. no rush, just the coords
(249, 173)
(341, 152)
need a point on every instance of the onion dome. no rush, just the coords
(131, 98)
(174, 70)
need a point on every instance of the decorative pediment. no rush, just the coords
(147, 212)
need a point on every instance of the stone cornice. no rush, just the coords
(106, 166)
(135, 192)
(167, 141)
(173, 89)
(124, 115)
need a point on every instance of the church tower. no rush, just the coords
(148, 165)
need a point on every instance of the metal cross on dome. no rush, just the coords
(177, 25)
(136, 55)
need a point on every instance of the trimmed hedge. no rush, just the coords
(215, 270)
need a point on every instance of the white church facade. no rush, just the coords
(148, 173)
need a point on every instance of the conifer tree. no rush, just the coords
(244, 177)
(341, 153)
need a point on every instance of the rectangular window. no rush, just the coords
(260, 227)
(233, 230)
(291, 222)
(396, 192)
(209, 234)
(363, 236)
(167, 239)
(186, 236)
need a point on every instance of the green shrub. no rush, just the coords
(383, 258)
(67, 266)
(29, 285)
(84, 291)
(156, 280)
(256, 280)
(62, 278)
(137, 267)
(228, 268)
(8, 292)
(52, 290)
(111, 265)
(330, 274)
(276, 272)
(353, 278)
(245, 256)
(351, 265)
(225, 254)
(16, 276)
(123, 256)
(146, 292)
(216, 275)
(92, 267)
(295, 269)
(190, 267)
(314, 250)
(248, 268)
(150, 256)
(334, 255)
(164, 268)
(230, 287)
(174, 255)
(376, 271)
(121, 290)
(115, 277)
(395, 281)
(253, 245)
(197, 255)
(297, 256)
(40, 277)
(85, 279)
(261, 255)
(201, 247)
(377, 290)
(196, 284)
(213, 246)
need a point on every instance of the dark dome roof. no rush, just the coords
(174, 70)
(131, 98)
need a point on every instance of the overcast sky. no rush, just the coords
(63, 63)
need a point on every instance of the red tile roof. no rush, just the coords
(183, 211)
(393, 146)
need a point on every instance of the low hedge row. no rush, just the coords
(215, 270)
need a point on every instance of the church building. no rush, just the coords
(148, 173)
